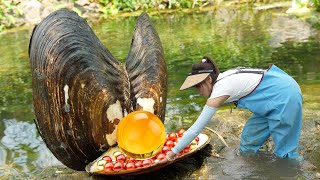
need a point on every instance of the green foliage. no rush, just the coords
(116, 6)
(8, 14)
(316, 4)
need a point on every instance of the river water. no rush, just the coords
(233, 37)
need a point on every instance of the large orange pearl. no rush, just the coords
(141, 135)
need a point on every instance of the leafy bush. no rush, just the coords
(316, 4)
(8, 14)
(115, 6)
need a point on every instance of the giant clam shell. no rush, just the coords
(81, 92)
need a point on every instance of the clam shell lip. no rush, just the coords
(146, 104)
(114, 113)
(81, 92)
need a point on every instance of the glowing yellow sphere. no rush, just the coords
(141, 135)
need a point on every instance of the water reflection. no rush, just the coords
(22, 149)
(286, 28)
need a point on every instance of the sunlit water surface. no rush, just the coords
(243, 37)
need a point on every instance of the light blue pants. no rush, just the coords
(276, 105)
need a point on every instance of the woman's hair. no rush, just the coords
(207, 64)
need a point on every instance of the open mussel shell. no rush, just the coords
(80, 91)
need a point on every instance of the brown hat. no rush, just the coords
(200, 71)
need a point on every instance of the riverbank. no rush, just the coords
(32, 12)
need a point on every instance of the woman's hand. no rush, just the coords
(169, 157)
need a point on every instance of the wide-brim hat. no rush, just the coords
(200, 71)
(195, 78)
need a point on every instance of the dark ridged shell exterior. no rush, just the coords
(146, 67)
(81, 92)
(75, 80)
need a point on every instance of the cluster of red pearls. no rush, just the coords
(119, 161)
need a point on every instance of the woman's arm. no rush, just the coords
(203, 119)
